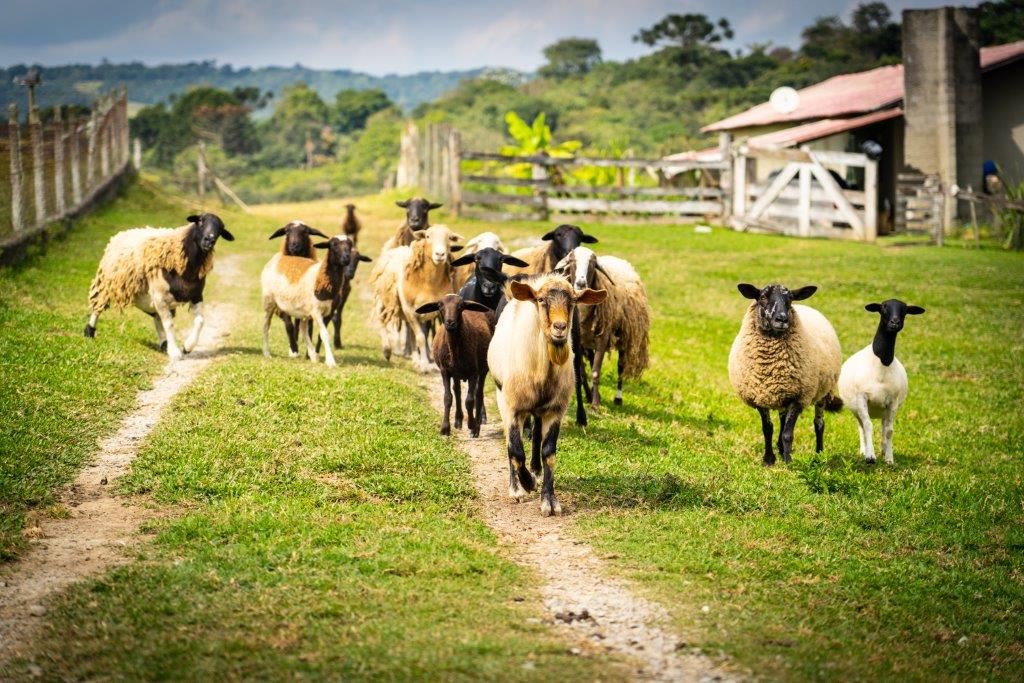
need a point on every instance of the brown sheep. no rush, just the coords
(351, 225)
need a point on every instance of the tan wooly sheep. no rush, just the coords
(622, 321)
(786, 357)
(298, 241)
(417, 210)
(530, 358)
(351, 225)
(396, 338)
(157, 269)
(305, 289)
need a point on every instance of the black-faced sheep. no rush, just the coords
(417, 210)
(460, 351)
(156, 269)
(873, 382)
(530, 358)
(485, 240)
(342, 298)
(298, 241)
(485, 284)
(351, 225)
(786, 357)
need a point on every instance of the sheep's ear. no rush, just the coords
(432, 307)
(464, 260)
(434, 205)
(419, 234)
(513, 261)
(873, 308)
(915, 310)
(590, 297)
(403, 204)
(322, 245)
(193, 218)
(523, 291)
(588, 239)
(748, 290)
(455, 237)
(549, 235)
(804, 293)
(455, 247)
(314, 231)
(365, 258)
(227, 235)
(278, 233)
(475, 306)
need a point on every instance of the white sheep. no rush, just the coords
(873, 383)
(786, 357)
(156, 269)
(305, 289)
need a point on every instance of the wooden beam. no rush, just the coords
(804, 206)
(828, 183)
(633, 206)
(773, 190)
(498, 199)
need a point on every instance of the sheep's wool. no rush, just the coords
(802, 365)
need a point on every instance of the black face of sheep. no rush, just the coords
(566, 238)
(893, 312)
(492, 260)
(451, 307)
(775, 305)
(206, 228)
(296, 238)
(339, 251)
(350, 271)
(416, 210)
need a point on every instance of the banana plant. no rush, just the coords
(531, 139)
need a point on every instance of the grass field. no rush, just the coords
(325, 529)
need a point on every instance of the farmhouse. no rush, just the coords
(947, 111)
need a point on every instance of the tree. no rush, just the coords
(874, 34)
(825, 38)
(570, 57)
(353, 107)
(1001, 22)
(687, 31)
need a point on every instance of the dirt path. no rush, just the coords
(582, 601)
(101, 525)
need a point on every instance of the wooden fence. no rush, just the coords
(58, 168)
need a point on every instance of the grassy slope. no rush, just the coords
(324, 531)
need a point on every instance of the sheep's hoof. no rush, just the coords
(163, 346)
(618, 400)
(446, 430)
(869, 461)
(175, 355)
(89, 331)
(549, 506)
(291, 354)
(458, 423)
(516, 493)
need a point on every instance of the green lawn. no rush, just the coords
(325, 530)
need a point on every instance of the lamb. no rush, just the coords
(530, 357)
(305, 290)
(622, 322)
(417, 210)
(298, 242)
(351, 225)
(786, 357)
(156, 269)
(873, 382)
(460, 351)
(342, 298)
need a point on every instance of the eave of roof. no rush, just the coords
(822, 128)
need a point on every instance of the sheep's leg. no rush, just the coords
(423, 342)
(621, 365)
(268, 316)
(167, 320)
(888, 423)
(337, 327)
(535, 465)
(472, 418)
(160, 336)
(766, 429)
(197, 326)
(323, 335)
(310, 351)
(819, 428)
(90, 327)
(481, 415)
(787, 431)
(521, 481)
(457, 387)
(595, 377)
(321, 339)
(577, 368)
(860, 410)
(293, 336)
(550, 425)
(446, 427)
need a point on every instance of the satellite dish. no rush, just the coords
(784, 100)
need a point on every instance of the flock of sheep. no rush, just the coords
(530, 319)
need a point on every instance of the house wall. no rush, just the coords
(1003, 97)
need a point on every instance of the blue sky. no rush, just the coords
(375, 37)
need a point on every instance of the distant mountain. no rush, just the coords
(79, 83)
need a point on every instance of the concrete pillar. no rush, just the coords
(942, 100)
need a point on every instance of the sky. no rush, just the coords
(374, 37)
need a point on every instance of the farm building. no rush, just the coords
(943, 113)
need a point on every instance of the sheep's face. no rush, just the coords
(487, 268)
(350, 271)
(555, 300)
(350, 208)
(450, 307)
(297, 238)
(581, 267)
(566, 238)
(339, 251)
(440, 238)
(206, 228)
(774, 305)
(893, 312)
(416, 210)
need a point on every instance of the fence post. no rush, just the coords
(739, 189)
(35, 131)
(201, 168)
(725, 175)
(137, 153)
(76, 170)
(804, 206)
(103, 134)
(14, 140)
(123, 117)
(409, 159)
(870, 200)
(455, 164)
(90, 154)
(539, 172)
(58, 162)
(444, 151)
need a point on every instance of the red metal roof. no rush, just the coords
(850, 94)
(821, 128)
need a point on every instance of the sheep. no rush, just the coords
(387, 308)
(483, 287)
(342, 297)
(485, 240)
(530, 359)
(786, 357)
(460, 351)
(156, 269)
(622, 322)
(351, 225)
(873, 382)
(298, 242)
(417, 210)
(305, 290)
